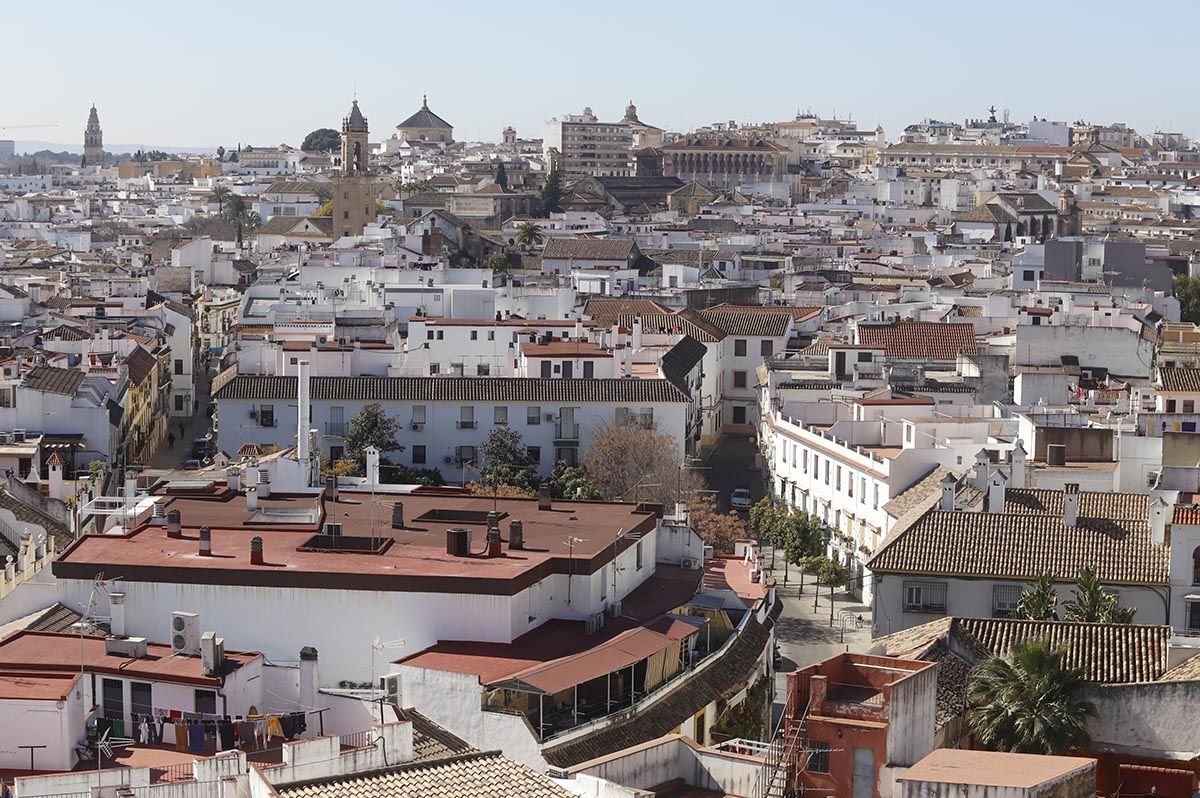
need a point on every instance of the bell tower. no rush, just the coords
(354, 191)
(93, 141)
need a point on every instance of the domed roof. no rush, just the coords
(355, 122)
(425, 118)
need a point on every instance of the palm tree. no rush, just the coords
(529, 234)
(1028, 702)
(220, 194)
(1093, 604)
(1039, 602)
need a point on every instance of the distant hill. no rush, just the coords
(30, 147)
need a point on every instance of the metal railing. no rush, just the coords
(176, 771)
(361, 739)
(336, 429)
(566, 430)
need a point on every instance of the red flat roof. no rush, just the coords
(670, 587)
(415, 561)
(731, 573)
(46, 652)
(37, 686)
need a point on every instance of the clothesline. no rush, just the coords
(193, 731)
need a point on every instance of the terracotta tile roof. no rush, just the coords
(749, 323)
(54, 380)
(1092, 504)
(607, 310)
(589, 248)
(461, 389)
(797, 312)
(1179, 379)
(1023, 545)
(141, 365)
(431, 741)
(920, 339)
(688, 322)
(471, 775)
(1110, 653)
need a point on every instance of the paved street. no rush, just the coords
(194, 427)
(731, 465)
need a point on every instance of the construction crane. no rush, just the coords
(22, 127)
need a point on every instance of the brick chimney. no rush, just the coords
(205, 541)
(256, 550)
(174, 525)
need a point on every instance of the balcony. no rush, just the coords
(463, 424)
(337, 429)
(566, 433)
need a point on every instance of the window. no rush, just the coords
(491, 335)
(206, 702)
(179, 398)
(876, 504)
(838, 479)
(266, 415)
(441, 335)
(739, 347)
(1004, 600)
(646, 418)
(178, 365)
(429, 335)
(818, 756)
(139, 698)
(739, 379)
(464, 454)
(466, 417)
(638, 555)
(589, 369)
(483, 370)
(6, 397)
(1193, 617)
(804, 461)
(827, 470)
(434, 368)
(928, 597)
(418, 454)
(767, 348)
(1189, 405)
(533, 415)
(474, 335)
(500, 414)
(739, 415)
(862, 493)
(1028, 275)
(535, 454)
(1170, 405)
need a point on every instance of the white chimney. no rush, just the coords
(233, 478)
(57, 487)
(303, 414)
(979, 480)
(131, 488)
(116, 614)
(1071, 504)
(578, 330)
(637, 333)
(628, 360)
(949, 490)
(309, 678)
(1159, 507)
(1018, 465)
(372, 465)
(995, 492)
(251, 497)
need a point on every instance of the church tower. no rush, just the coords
(93, 141)
(354, 193)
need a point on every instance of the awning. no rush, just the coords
(624, 650)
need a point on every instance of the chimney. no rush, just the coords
(1071, 504)
(637, 333)
(578, 330)
(516, 535)
(233, 479)
(256, 550)
(628, 360)
(545, 499)
(1017, 458)
(995, 492)
(331, 488)
(116, 613)
(1158, 520)
(159, 516)
(252, 498)
(949, 490)
(398, 515)
(979, 480)
(205, 541)
(303, 414)
(372, 465)
(174, 525)
(309, 679)
(131, 489)
(616, 334)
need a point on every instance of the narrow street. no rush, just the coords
(731, 465)
(194, 426)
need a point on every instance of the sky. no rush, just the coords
(263, 73)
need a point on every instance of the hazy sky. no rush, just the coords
(217, 72)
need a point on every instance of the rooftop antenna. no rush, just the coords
(571, 541)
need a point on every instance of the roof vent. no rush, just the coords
(398, 515)
(205, 541)
(458, 542)
(516, 535)
(174, 526)
(545, 498)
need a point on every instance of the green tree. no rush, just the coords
(570, 482)
(1039, 602)
(1091, 603)
(1029, 701)
(552, 193)
(390, 474)
(220, 194)
(501, 176)
(529, 235)
(371, 427)
(1187, 291)
(323, 192)
(497, 262)
(504, 461)
(322, 139)
(828, 572)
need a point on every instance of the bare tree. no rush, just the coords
(630, 462)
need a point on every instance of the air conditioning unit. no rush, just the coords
(131, 647)
(185, 633)
(333, 529)
(5, 437)
(614, 609)
(690, 563)
(390, 686)
(212, 653)
(447, 459)
(594, 623)
(417, 425)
